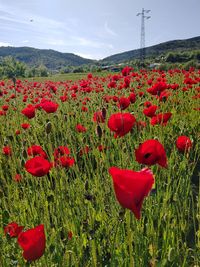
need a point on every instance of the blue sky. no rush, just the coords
(95, 28)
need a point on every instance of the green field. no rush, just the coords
(83, 221)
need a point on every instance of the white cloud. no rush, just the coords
(56, 42)
(90, 43)
(89, 56)
(5, 44)
(25, 41)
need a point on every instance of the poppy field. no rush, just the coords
(101, 171)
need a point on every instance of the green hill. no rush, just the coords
(52, 59)
(55, 60)
(156, 50)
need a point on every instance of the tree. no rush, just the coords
(42, 71)
(12, 68)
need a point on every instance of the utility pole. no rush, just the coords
(142, 37)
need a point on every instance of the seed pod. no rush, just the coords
(10, 137)
(22, 162)
(104, 112)
(24, 153)
(24, 142)
(48, 127)
(65, 117)
(86, 185)
(5, 141)
(99, 131)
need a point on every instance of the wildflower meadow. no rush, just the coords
(101, 171)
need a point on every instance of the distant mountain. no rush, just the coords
(156, 50)
(52, 59)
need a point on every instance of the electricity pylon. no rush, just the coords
(142, 37)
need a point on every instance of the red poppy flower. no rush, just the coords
(183, 143)
(17, 132)
(38, 166)
(131, 187)
(157, 88)
(69, 235)
(61, 151)
(65, 161)
(25, 125)
(150, 111)
(121, 123)
(35, 150)
(132, 97)
(49, 106)
(13, 229)
(33, 243)
(17, 178)
(161, 118)
(84, 109)
(7, 151)
(123, 103)
(5, 107)
(29, 112)
(151, 152)
(80, 128)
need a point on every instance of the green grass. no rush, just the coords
(67, 76)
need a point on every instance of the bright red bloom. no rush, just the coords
(151, 152)
(17, 178)
(69, 235)
(150, 111)
(84, 109)
(25, 125)
(161, 118)
(121, 123)
(7, 151)
(157, 88)
(13, 229)
(132, 97)
(49, 106)
(17, 132)
(29, 112)
(80, 128)
(61, 151)
(5, 107)
(126, 70)
(131, 187)
(36, 150)
(33, 243)
(38, 166)
(183, 143)
(65, 161)
(124, 102)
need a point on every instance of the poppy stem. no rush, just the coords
(120, 219)
(129, 238)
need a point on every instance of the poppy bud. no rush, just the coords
(24, 153)
(65, 117)
(5, 141)
(48, 127)
(104, 113)
(86, 185)
(99, 131)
